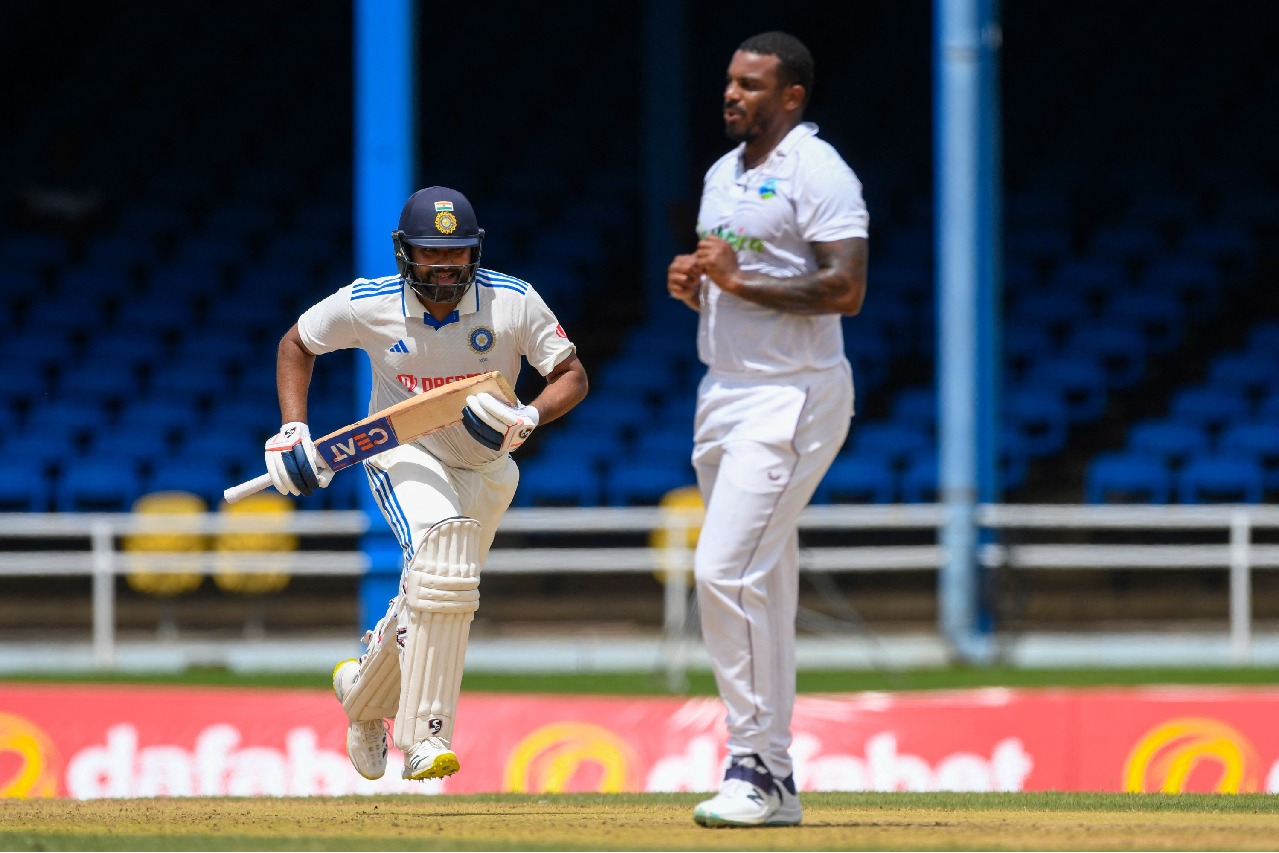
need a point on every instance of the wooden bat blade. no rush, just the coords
(415, 417)
(409, 419)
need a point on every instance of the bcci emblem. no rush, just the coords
(445, 222)
(482, 339)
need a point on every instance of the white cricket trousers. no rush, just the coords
(415, 490)
(761, 447)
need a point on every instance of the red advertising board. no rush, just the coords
(109, 741)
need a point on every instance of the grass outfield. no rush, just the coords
(701, 683)
(647, 822)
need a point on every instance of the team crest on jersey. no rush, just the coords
(445, 222)
(482, 339)
(768, 189)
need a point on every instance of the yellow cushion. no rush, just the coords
(140, 546)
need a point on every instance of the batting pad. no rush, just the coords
(441, 596)
(377, 687)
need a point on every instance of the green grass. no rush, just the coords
(702, 684)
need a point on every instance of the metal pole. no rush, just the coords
(957, 152)
(1240, 587)
(102, 540)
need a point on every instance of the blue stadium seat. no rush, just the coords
(596, 448)
(894, 442)
(1037, 244)
(1196, 282)
(1058, 312)
(199, 475)
(858, 478)
(1160, 316)
(612, 414)
(1220, 479)
(558, 480)
(1039, 417)
(672, 442)
(1263, 338)
(1259, 440)
(916, 405)
(1252, 374)
(1163, 206)
(1208, 406)
(96, 485)
(1128, 242)
(1127, 477)
(99, 386)
(25, 486)
(1226, 245)
(1170, 441)
(1080, 381)
(643, 482)
(1024, 344)
(1120, 347)
(919, 479)
(1090, 279)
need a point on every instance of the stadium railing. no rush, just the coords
(1034, 537)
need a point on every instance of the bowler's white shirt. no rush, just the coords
(498, 321)
(802, 193)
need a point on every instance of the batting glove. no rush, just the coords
(291, 461)
(496, 425)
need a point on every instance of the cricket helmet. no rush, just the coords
(438, 218)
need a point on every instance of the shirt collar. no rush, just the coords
(413, 308)
(796, 135)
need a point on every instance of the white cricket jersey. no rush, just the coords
(802, 193)
(498, 321)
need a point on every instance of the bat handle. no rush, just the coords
(248, 487)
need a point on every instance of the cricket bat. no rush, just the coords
(413, 418)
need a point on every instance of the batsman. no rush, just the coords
(441, 318)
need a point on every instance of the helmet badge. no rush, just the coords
(445, 222)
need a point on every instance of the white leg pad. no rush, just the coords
(377, 686)
(441, 595)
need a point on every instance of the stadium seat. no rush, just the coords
(1208, 406)
(1127, 477)
(1058, 312)
(1040, 418)
(1196, 282)
(1121, 348)
(1170, 441)
(1024, 344)
(1080, 381)
(894, 442)
(96, 485)
(204, 477)
(1259, 440)
(1253, 374)
(643, 482)
(1220, 479)
(1160, 316)
(558, 481)
(920, 478)
(1128, 242)
(25, 486)
(858, 478)
(1089, 279)
(1228, 246)
(916, 405)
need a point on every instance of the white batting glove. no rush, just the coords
(496, 425)
(292, 462)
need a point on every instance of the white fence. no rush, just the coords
(100, 557)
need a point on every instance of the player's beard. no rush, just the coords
(750, 128)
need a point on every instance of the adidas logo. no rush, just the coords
(399, 347)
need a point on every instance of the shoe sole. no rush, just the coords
(445, 764)
(714, 821)
(357, 768)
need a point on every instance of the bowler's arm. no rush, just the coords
(838, 286)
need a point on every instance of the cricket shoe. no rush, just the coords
(365, 739)
(430, 759)
(751, 796)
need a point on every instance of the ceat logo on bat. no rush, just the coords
(356, 444)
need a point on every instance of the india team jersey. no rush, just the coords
(498, 321)
(802, 193)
